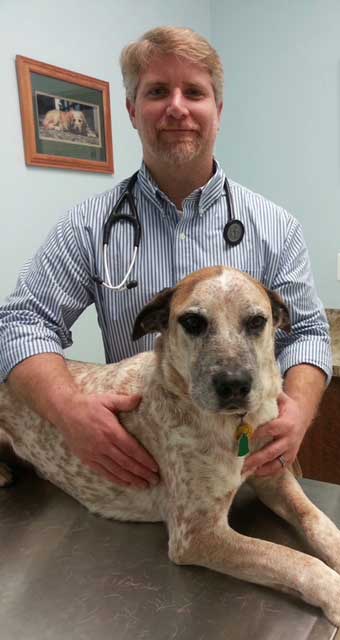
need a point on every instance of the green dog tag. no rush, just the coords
(243, 445)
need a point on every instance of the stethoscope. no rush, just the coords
(233, 232)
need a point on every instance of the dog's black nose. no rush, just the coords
(232, 387)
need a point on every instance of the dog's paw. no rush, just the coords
(332, 612)
(331, 607)
(6, 475)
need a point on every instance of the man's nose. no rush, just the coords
(177, 107)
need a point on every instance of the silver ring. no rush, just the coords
(283, 461)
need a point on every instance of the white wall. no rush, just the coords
(280, 135)
(86, 37)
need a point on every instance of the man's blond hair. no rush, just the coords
(184, 43)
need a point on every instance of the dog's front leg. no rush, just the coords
(283, 495)
(211, 543)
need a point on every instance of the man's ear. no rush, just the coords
(132, 111)
(279, 310)
(154, 316)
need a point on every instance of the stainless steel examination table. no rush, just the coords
(67, 574)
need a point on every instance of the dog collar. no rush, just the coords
(243, 433)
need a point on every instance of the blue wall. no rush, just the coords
(280, 133)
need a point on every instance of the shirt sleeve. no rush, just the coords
(309, 340)
(52, 290)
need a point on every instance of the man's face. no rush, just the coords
(175, 111)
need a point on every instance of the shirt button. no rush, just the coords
(182, 236)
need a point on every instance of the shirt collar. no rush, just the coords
(149, 186)
(204, 196)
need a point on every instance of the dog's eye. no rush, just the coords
(193, 323)
(255, 324)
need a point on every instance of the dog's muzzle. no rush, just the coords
(232, 390)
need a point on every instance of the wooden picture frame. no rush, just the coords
(66, 118)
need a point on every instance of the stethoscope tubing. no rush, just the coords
(233, 232)
(122, 285)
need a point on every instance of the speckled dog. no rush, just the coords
(213, 363)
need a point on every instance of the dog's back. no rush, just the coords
(36, 441)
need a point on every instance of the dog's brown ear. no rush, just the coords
(279, 310)
(154, 316)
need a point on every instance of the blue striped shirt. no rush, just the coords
(59, 282)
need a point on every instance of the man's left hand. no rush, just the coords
(287, 432)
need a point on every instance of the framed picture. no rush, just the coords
(66, 118)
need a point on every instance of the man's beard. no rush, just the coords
(178, 152)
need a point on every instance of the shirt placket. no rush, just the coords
(182, 245)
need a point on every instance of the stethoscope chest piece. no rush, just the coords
(233, 232)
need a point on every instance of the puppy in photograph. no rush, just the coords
(71, 120)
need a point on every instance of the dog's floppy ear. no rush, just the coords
(154, 316)
(279, 310)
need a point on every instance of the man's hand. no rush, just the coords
(287, 432)
(93, 434)
(88, 422)
(304, 385)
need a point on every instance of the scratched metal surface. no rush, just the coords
(66, 574)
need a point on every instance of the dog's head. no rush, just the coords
(77, 121)
(218, 327)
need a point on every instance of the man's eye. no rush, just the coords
(194, 324)
(156, 92)
(194, 93)
(255, 324)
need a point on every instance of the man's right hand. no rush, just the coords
(94, 434)
(88, 422)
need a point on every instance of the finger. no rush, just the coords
(266, 454)
(130, 466)
(128, 445)
(282, 398)
(117, 475)
(271, 429)
(104, 473)
(271, 469)
(119, 402)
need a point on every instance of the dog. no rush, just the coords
(213, 369)
(66, 121)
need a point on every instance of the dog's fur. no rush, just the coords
(203, 376)
(66, 121)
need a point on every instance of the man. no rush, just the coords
(174, 85)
